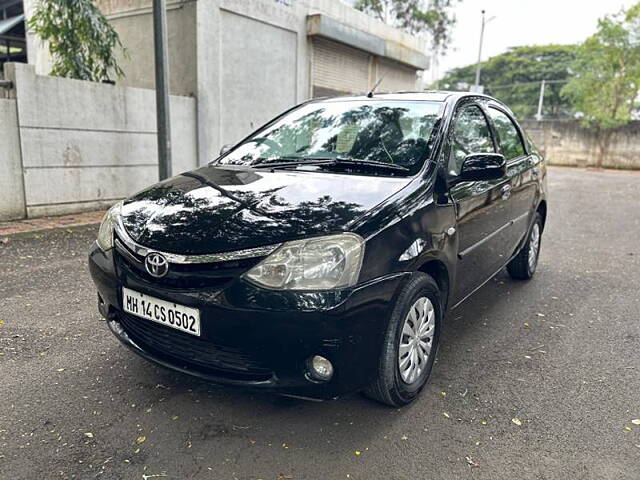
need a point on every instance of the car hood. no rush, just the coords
(221, 209)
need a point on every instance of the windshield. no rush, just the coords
(390, 132)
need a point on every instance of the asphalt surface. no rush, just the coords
(559, 354)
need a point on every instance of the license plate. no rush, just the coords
(185, 319)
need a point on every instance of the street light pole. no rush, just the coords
(540, 100)
(479, 65)
(162, 88)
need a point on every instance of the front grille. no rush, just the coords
(179, 347)
(216, 275)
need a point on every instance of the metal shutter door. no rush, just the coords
(396, 77)
(338, 68)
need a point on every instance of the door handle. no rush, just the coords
(506, 191)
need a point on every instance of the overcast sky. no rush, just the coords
(522, 22)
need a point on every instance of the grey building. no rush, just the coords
(247, 60)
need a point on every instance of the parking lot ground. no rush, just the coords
(534, 380)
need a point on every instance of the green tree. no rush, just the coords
(606, 79)
(433, 18)
(81, 41)
(514, 77)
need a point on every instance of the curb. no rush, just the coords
(19, 227)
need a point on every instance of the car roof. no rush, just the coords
(429, 95)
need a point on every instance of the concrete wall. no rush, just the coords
(253, 62)
(265, 56)
(11, 188)
(134, 23)
(85, 145)
(566, 142)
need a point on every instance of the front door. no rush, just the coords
(483, 209)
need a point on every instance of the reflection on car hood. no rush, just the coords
(216, 209)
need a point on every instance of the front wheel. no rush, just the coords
(524, 265)
(410, 343)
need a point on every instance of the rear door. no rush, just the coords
(483, 208)
(521, 170)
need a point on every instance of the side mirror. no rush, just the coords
(483, 166)
(225, 148)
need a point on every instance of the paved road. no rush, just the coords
(560, 353)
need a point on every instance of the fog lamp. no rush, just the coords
(320, 368)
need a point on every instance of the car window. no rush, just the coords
(394, 132)
(508, 137)
(470, 134)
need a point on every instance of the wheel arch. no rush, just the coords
(542, 210)
(438, 270)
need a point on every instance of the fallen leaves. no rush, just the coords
(446, 415)
(471, 463)
(88, 434)
(141, 439)
(358, 453)
(636, 421)
(517, 421)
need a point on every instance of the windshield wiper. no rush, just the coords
(331, 161)
(279, 161)
(369, 163)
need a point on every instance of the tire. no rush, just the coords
(395, 386)
(524, 264)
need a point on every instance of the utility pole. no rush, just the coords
(540, 100)
(162, 88)
(479, 65)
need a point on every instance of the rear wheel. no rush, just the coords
(410, 343)
(524, 265)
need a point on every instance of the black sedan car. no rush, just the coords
(319, 255)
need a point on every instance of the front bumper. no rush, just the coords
(256, 338)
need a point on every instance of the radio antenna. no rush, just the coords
(372, 91)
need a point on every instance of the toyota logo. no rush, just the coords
(156, 264)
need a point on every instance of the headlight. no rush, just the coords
(105, 234)
(320, 263)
